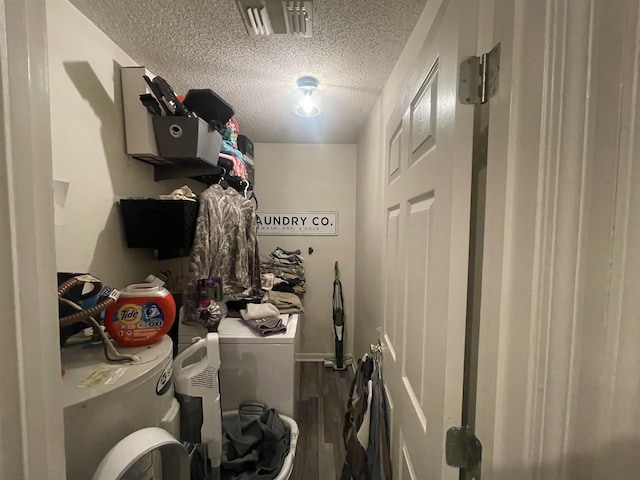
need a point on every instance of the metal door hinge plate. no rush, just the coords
(479, 77)
(463, 449)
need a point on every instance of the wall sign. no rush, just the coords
(297, 223)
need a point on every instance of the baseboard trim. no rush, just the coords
(318, 357)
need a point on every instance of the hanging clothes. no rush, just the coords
(355, 466)
(378, 450)
(225, 245)
(366, 426)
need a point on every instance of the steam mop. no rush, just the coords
(338, 362)
(197, 389)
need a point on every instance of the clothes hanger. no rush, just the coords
(254, 198)
(222, 175)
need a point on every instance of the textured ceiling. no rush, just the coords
(204, 44)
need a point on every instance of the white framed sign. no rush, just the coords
(297, 223)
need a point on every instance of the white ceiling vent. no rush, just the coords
(276, 17)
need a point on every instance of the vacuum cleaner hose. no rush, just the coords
(103, 302)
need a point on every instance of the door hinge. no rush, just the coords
(479, 77)
(464, 450)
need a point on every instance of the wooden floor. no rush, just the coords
(320, 415)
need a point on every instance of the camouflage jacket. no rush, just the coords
(225, 245)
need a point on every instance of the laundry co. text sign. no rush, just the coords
(297, 223)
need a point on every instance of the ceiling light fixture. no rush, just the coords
(306, 99)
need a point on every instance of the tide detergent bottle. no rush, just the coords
(143, 314)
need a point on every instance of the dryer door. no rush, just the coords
(147, 454)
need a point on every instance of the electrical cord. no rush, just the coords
(106, 343)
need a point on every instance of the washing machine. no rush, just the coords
(252, 367)
(105, 402)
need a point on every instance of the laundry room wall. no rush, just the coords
(89, 152)
(369, 298)
(370, 228)
(314, 177)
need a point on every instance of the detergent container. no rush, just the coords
(143, 314)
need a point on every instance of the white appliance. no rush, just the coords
(105, 402)
(148, 454)
(252, 367)
(153, 454)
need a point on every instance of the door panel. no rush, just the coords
(423, 117)
(427, 208)
(394, 154)
(391, 302)
(392, 412)
(417, 267)
(407, 471)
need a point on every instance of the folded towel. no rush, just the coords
(266, 326)
(259, 310)
(263, 318)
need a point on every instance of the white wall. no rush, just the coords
(89, 151)
(293, 177)
(369, 234)
(369, 202)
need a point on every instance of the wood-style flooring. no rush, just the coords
(320, 412)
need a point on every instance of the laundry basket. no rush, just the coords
(287, 467)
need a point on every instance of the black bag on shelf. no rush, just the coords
(245, 145)
(209, 106)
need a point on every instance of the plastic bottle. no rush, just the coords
(143, 314)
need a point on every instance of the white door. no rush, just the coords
(427, 207)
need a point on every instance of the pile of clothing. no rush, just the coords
(285, 302)
(254, 447)
(283, 279)
(229, 147)
(287, 269)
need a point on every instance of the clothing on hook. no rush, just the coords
(366, 427)
(225, 246)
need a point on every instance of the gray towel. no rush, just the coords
(267, 326)
(270, 325)
(254, 447)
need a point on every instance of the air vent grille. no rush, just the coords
(276, 17)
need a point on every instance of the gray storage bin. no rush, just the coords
(186, 139)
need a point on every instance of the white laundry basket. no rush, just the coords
(287, 467)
